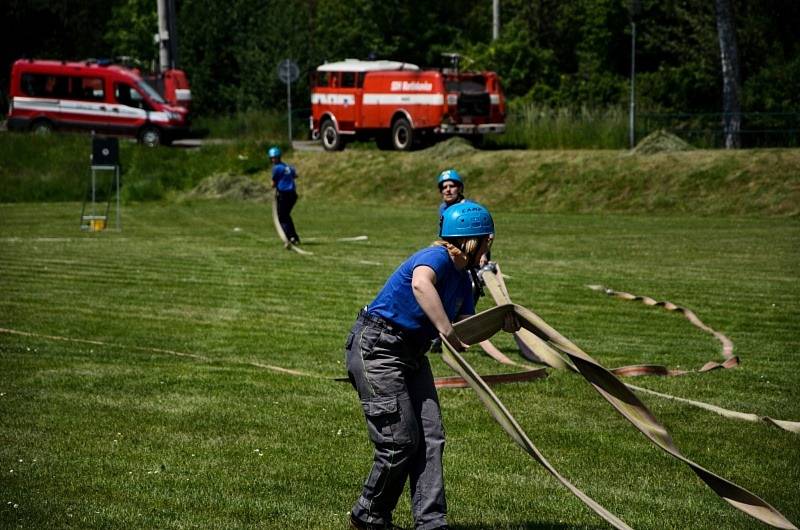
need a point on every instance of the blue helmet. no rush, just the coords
(466, 219)
(274, 152)
(449, 174)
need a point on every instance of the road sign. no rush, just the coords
(288, 72)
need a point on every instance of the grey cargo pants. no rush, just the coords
(394, 381)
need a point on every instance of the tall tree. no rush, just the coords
(729, 56)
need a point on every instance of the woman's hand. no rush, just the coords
(452, 338)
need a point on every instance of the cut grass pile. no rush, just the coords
(146, 395)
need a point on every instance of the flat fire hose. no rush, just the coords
(278, 228)
(484, 325)
(537, 350)
(727, 346)
(531, 347)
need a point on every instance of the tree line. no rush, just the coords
(574, 54)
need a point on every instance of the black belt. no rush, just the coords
(378, 320)
(365, 316)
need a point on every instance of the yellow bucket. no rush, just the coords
(96, 223)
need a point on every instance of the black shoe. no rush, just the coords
(358, 524)
(294, 240)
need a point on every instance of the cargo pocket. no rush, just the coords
(385, 422)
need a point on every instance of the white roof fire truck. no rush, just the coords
(400, 105)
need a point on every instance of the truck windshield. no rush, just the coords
(150, 91)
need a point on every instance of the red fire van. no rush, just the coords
(105, 98)
(401, 105)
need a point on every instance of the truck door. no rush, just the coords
(129, 108)
(85, 106)
(346, 111)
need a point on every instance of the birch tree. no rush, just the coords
(729, 56)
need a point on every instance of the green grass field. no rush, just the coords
(140, 388)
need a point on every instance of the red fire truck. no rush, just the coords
(173, 86)
(106, 98)
(400, 105)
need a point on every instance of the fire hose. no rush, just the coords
(541, 343)
(537, 350)
(484, 325)
(727, 346)
(278, 228)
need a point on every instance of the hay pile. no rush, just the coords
(452, 147)
(660, 141)
(231, 187)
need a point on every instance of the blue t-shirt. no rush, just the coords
(283, 176)
(397, 304)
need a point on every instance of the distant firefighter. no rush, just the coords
(283, 176)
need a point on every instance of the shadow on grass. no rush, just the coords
(524, 525)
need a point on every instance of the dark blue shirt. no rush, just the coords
(397, 304)
(283, 176)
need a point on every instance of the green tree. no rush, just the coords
(131, 30)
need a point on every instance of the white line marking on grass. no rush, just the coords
(270, 367)
(323, 239)
(15, 239)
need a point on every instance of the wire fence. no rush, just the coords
(758, 129)
(541, 127)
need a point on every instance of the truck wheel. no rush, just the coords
(331, 139)
(150, 136)
(41, 127)
(402, 135)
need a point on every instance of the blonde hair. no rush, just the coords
(464, 252)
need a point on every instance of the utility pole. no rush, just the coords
(172, 28)
(731, 79)
(632, 113)
(635, 8)
(289, 107)
(495, 19)
(167, 35)
(163, 36)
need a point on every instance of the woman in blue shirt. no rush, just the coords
(386, 363)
